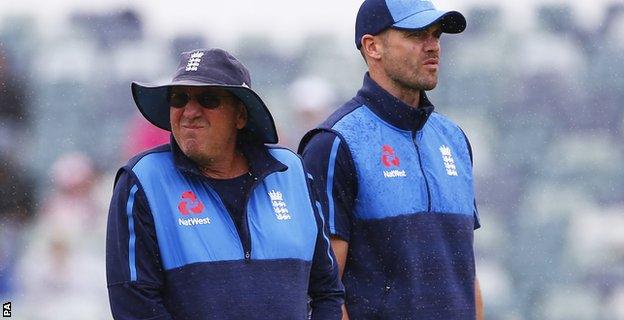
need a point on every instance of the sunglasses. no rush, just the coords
(207, 100)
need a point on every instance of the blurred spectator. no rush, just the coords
(141, 136)
(16, 209)
(187, 42)
(312, 99)
(62, 270)
(110, 28)
(14, 115)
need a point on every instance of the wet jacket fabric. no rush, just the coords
(174, 251)
(396, 183)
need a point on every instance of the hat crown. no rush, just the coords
(375, 16)
(401, 9)
(212, 67)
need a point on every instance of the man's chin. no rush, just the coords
(199, 155)
(428, 85)
(431, 86)
(191, 149)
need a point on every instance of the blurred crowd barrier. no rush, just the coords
(544, 108)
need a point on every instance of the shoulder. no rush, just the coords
(441, 120)
(343, 111)
(281, 152)
(149, 155)
(445, 125)
(144, 162)
(325, 135)
(285, 156)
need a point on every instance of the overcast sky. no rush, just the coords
(283, 20)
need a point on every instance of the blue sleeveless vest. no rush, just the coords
(206, 268)
(280, 215)
(400, 172)
(411, 244)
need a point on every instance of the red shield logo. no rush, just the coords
(190, 203)
(388, 158)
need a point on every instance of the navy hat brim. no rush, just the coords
(152, 103)
(451, 21)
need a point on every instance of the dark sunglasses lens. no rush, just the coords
(208, 101)
(178, 100)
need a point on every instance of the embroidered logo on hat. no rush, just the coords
(193, 61)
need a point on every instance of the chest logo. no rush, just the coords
(189, 203)
(279, 206)
(389, 159)
(449, 163)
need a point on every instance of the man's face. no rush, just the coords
(204, 133)
(411, 58)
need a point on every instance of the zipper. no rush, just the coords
(247, 242)
(246, 238)
(422, 171)
(243, 235)
(246, 252)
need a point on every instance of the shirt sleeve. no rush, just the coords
(134, 273)
(329, 161)
(325, 288)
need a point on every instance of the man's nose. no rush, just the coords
(432, 43)
(192, 108)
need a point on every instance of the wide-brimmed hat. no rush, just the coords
(376, 16)
(207, 68)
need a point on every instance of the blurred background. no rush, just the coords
(538, 86)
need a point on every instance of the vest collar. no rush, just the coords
(391, 109)
(261, 162)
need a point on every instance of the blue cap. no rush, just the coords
(376, 16)
(207, 68)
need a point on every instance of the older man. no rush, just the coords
(216, 225)
(396, 177)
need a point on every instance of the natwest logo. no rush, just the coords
(388, 158)
(190, 203)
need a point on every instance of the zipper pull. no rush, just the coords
(247, 255)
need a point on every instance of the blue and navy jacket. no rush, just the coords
(396, 183)
(174, 252)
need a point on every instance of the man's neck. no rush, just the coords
(225, 167)
(409, 96)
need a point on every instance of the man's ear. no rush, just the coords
(241, 118)
(372, 47)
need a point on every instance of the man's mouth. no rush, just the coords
(432, 61)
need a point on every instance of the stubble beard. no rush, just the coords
(417, 81)
(194, 150)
